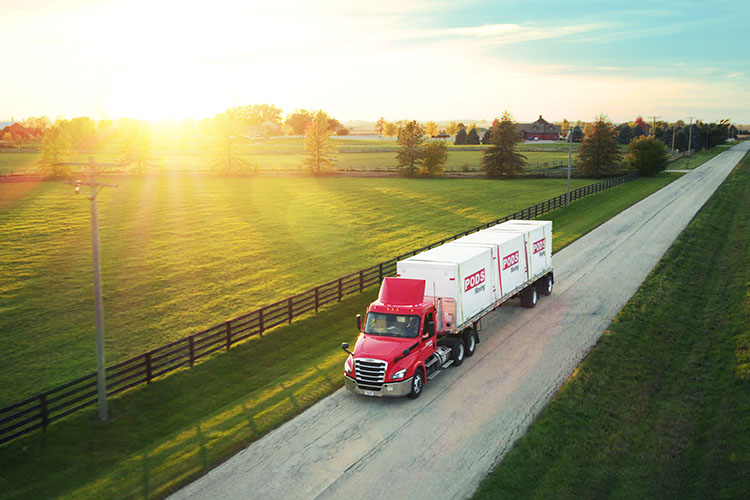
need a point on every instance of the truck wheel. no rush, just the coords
(459, 351)
(546, 288)
(470, 338)
(417, 383)
(529, 297)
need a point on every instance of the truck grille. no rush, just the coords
(369, 372)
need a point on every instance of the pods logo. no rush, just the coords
(510, 260)
(475, 279)
(538, 246)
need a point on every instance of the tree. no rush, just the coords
(135, 146)
(431, 129)
(434, 157)
(624, 133)
(390, 129)
(487, 137)
(55, 150)
(255, 114)
(565, 126)
(320, 149)
(410, 138)
(227, 161)
(647, 156)
(598, 153)
(501, 158)
(379, 126)
(473, 136)
(298, 121)
(452, 128)
(460, 137)
(577, 134)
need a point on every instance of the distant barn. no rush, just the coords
(540, 130)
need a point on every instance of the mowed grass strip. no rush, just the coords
(181, 253)
(165, 434)
(660, 408)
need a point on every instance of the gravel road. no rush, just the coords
(444, 443)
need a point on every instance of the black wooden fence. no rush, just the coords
(48, 406)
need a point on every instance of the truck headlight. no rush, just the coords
(348, 365)
(399, 374)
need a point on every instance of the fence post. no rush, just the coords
(191, 349)
(290, 309)
(317, 299)
(361, 281)
(148, 367)
(260, 321)
(380, 272)
(339, 289)
(43, 408)
(229, 334)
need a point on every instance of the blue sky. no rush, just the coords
(428, 60)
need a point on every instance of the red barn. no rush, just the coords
(541, 130)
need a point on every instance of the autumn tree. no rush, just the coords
(431, 129)
(647, 156)
(598, 153)
(501, 158)
(434, 157)
(56, 146)
(452, 128)
(379, 126)
(390, 129)
(320, 149)
(410, 138)
(298, 121)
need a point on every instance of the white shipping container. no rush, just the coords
(510, 261)
(459, 273)
(538, 236)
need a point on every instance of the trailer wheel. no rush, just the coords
(546, 288)
(459, 351)
(417, 383)
(470, 338)
(529, 297)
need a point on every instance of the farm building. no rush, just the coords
(541, 130)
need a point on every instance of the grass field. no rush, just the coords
(181, 253)
(698, 159)
(178, 427)
(660, 408)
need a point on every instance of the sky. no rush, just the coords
(416, 59)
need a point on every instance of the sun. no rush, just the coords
(156, 92)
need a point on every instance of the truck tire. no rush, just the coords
(417, 383)
(545, 287)
(529, 297)
(470, 339)
(459, 352)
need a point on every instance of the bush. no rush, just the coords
(647, 155)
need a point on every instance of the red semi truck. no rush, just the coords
(428, 316)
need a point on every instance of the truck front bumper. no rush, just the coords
(401, 388)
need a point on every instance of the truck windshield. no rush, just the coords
(392, 325)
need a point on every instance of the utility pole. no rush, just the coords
(673, 139)
(653, 129)
(690, 134)
(570, 163)
(95, 187)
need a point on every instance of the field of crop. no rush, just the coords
(162, 435)
(660, 408)
(181, 253)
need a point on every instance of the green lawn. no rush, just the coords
(696, 160)
(177, 428)
(660, 408)
(181, 253)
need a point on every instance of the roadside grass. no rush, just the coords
(166, 434)
(696, 160)
(182, 253)
(660, 408)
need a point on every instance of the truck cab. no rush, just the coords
(399, 347)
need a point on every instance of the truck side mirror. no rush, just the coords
(359, 323)
(345, 347)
